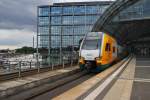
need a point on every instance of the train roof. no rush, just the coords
(94, 35)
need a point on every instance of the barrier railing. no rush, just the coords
(21, 66)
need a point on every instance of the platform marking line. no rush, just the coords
(143, 60)
(143, 66)
(100, 89)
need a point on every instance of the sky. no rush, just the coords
(18, 21)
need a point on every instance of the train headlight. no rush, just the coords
(98, 58)
(81, 60)
(98, 61)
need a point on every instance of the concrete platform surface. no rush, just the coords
(133, 83)
(141, 84)
(122, 88)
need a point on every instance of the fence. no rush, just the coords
(21, 66)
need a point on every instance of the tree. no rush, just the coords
(26, 50)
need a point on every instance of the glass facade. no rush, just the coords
(61, 27)
(139, 10)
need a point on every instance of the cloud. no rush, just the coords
(16, 37)
(19, 14)
(18, 22)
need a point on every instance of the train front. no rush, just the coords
(90, 51)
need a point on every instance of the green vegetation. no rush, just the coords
(26, 50)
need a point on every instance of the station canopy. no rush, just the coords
(126, 20)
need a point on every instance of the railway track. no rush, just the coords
(24, 73)
(49, 86)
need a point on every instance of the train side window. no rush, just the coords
(107, 48)
(114, 49)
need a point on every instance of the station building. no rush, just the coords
(61, 26)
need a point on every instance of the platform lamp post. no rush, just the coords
(33, 46)
(37, 56)
(49, 43)
(37, 48)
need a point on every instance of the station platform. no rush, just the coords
(14, 86)
(122, 88)
(132, 83)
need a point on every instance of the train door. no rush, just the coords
(114, 50)
(108, 52)
(105, 52)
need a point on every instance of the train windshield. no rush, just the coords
(91, 44)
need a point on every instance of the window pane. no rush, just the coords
(91, 19)
(56, 10)
(77, 39)
(68, 10)
(55, 20)
(103, 8)
(67, 41)
(55, 41)
(79, 19)
(67, 30)
(43, 20)
(108, 47)
(90, 44)
(82, 30)
(88, 28)
(44, 11)
(56, 30)
(44, 41)
(79, 30)
(43, 30)
(79, 10)
(68, 20)
(92, 9)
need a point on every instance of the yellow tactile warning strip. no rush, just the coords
(122, 88)
(82, 88)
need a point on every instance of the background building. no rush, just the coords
(62, 26)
